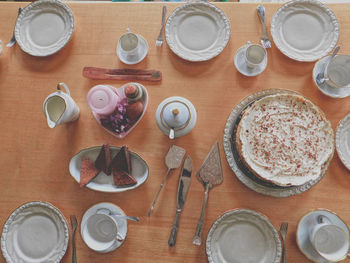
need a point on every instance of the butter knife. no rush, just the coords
(184, 185)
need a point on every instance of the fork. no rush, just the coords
(159, 40)
(283, 232)
(74, 222)
(265, 41)
(13, 39)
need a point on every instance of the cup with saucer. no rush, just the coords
(100, 230)
(251, 59)
(132, 48)
(323, 237)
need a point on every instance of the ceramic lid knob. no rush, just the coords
(175, 115)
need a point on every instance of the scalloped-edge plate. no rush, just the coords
(197, 31)
(241, 236)
(305, 30)
(103, 182)
(35, 232)
(237, 165)
(342, 140)
(44, 27)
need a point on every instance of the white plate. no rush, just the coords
(326, 89)
(236, 164)
(44, 27)
(197, 31)
(134, 59)
(243, 236)
(241, 65)
(342, 138)
(122, 223)
(305, 30)
(36, 232)
(103, 182)
(302, 235)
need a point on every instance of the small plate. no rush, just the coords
(241, 236)
(326, 89)
(122, 223)
(134, 59)
(103, 182)
(44, 27)
(302, 235)
(35, 232)
(242, 67)
(342, 138)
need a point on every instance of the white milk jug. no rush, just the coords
(59, 107)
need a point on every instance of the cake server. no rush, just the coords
(173, 160)
(209, 174)
(182, 190)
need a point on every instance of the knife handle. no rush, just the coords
(173, 233)
(197, 239)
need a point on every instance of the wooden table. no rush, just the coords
(34, 158)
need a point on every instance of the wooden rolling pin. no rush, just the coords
(122, 74)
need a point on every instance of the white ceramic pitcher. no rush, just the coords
(59, 107)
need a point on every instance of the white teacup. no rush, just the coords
(102, 231)
(129, 43)
(329, 240)
(254, 55)
(337, 73)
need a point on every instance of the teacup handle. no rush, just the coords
(62, 84)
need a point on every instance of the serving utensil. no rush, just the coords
(109, 212)
(182, 190)
(264, 39)
(283, 232)
(74, 223)
(122, 74)
(173, 160)
(13, 39)
(209, 174)
(320, 78)
(159, 40)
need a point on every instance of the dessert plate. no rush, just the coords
(197, 31)
(122, 223)
(342, 139)
(134, 59)
(242, 67)
(103, 182)
(305, 30)
(320, 67)
(307, 222)
(35, 232)
(242, 235)
(237, 165)
(44, 27)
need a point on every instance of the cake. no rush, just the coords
(88, 171)
(285, 139)
(103, 159)
(121, 168)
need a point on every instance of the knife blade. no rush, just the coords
(183, 187)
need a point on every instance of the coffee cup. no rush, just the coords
(329, 240)
(129, 43)
(102, 231)
(337, 72)
(254, 55)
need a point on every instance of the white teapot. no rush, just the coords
(59, 107)
(176, 116)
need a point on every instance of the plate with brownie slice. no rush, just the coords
(278, 143)
(108, 169)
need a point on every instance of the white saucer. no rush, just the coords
(302, 235)
(134, 59)
(324, 87)
(242, 67)
(342, 139)
(122, 223)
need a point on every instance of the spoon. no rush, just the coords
(320, 78)
(108, 212)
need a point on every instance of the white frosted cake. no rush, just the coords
(285, 139)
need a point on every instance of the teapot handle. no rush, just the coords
(61, 84)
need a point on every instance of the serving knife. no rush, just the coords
(182, 190)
